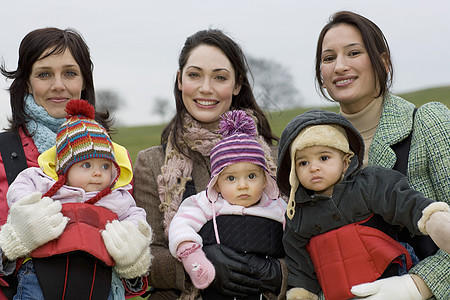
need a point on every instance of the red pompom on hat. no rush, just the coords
(80, 107)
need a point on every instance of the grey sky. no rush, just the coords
(135, 44)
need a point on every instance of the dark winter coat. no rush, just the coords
(361, 193)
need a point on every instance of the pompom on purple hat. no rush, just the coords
(239, 144)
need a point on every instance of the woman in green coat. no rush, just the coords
(354, 68)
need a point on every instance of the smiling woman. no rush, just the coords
(54, 66)
(208, 85)
(63, 54)
(346, 69)
(211, 80)
(354, 66)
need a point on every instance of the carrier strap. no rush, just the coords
(14, 160)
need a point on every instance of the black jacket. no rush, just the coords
(361, 193)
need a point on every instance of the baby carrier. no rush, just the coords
(70, 272)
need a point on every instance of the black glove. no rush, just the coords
(234, 276)
(268, 270)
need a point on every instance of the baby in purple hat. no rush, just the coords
(240, 208)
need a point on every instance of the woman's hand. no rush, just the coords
(240, 275)
(395, 287)
(267, 270)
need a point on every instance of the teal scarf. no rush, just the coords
(41, 126)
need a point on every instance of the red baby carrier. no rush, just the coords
(351, 255)
(77, 264)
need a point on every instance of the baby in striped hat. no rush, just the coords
(79, 201)
(84, 153)
(240, 206)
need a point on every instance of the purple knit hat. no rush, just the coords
(239, 144)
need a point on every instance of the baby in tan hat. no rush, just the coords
(341, 233)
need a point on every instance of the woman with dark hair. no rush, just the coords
(54, 67)
(354, 68)
(36, 46)
(244, 99)
(211, 80)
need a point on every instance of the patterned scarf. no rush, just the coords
(177, 168)
(41, 126)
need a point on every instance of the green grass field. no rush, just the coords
(142, 137)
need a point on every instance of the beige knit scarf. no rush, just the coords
(177, 168)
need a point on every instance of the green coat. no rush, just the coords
(428, 167)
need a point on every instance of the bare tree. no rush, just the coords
(161, 107)
(273, 84)
(107, 100)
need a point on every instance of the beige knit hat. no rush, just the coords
(333, 136)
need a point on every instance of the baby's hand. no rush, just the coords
(129, 246)
(32, 222)
(438, 227)
(194, 260)
(435, 222)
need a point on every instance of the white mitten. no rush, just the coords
(300, 294)
(129, 246)
(31, 223)
(435, 221)
(438, 227)
(396, 287)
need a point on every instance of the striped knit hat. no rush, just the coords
(238, 130)
(81, 138)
